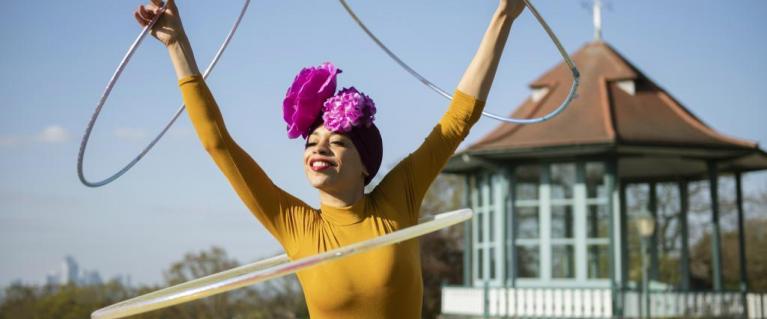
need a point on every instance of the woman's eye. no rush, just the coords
(310, 144)
(339, 143)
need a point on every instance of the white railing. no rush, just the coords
(757, 305)
(596, 303)
(685, 304)
(524, 302)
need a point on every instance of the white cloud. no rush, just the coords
(54, 134)
(130, 134)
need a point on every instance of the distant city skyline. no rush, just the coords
(70, 273)
(56, 61)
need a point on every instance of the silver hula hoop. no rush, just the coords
(445, 94)
(269, 269)
(111, 84)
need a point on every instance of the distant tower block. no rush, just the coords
(69, 271)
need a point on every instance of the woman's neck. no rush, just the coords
(341, 198)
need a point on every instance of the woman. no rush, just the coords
(386, 282)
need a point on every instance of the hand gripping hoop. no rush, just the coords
(111, 84)
(413, 72)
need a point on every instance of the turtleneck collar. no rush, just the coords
(346, 215)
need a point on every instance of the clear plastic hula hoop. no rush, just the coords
(113, 81)
(440, 91)
(270, 268)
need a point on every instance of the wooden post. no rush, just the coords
(653, 248)
(545, 223)
(684, 207)
(467, 247)
(716, 247)
(512, 229)
(741, 244)
(615, 276)
(623, 233)
(506, 220)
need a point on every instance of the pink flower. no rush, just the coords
(304, 99)
(347, 109)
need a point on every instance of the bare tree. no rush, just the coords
(442, 251)
(699, 224)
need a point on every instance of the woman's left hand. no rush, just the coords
(512, 7)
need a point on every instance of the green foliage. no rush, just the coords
(69, 301)
(277, 299)
(756, 259)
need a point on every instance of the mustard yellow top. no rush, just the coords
(383, 283)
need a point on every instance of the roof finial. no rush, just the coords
(597, 20)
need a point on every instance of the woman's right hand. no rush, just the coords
(168, 28)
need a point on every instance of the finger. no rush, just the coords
(139, 16)
(141, 12)
(146, 14)
(139, 19)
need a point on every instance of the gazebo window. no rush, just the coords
(563, 263)
(597, 221)
(527, 223)
(599, 262)
(561, 221)
(559, 224)
(562, 226)
(528, 261)
(486, 227)
(562, 179)
(562, 182)
(527, 207)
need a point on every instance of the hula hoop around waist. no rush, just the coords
(270, 268)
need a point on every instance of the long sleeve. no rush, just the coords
(408, 182)
(282, 214)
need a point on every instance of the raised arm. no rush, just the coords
(277, 210)
(478, 77)
(419, 169)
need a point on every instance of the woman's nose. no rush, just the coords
(322, 147)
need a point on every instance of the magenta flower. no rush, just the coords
(347, 109)
(304, 99)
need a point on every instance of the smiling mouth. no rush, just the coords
(320, 165)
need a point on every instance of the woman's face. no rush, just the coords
(332, 163)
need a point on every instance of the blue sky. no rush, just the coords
(57, 56)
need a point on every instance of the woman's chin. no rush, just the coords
(319, 181)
